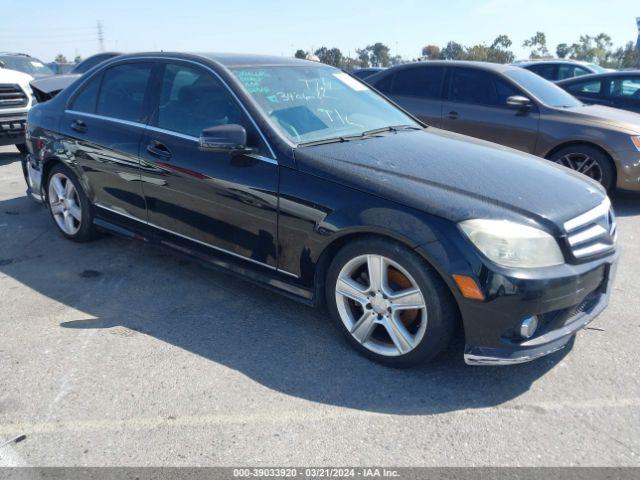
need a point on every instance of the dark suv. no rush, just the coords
(514, 107)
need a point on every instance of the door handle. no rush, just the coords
(453, 115)
(159, 149)
(79, 126)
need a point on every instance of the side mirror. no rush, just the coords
(231, 139)
(518, 101)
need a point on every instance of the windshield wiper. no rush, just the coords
(365, 134)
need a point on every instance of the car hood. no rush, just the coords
(455, 177)
(13, 76)
(607, 116)
(54, 83)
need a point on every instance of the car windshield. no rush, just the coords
(316, 103)
(29, 65)
(545, 91)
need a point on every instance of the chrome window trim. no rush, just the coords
(588, 216)
(110, 119)
(186, 237)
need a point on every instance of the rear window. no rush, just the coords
(123, 90)
(592, 87)
(625, 87)
(424, 82)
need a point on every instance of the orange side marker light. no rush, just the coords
(468, 287)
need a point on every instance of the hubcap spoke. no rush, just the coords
(68, 222)
(69, 190)
(400, 337)
(58, 187)
(75, 212)
(57, 208)
(351, 289)
(408, 299)
(377, 270)
(364, 327)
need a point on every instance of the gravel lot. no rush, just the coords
(121, 353)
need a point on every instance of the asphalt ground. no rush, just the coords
(119, 353)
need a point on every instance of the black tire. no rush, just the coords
(22, 148)
(443, 316)
(86, 232)
(606, 167)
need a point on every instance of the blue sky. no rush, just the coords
(281, 26)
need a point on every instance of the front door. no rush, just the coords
(477, 106)
(216, 199)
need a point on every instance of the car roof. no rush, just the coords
(542, 61)
(493, 67)
(229, 60)
(597, 76)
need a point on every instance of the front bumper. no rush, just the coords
(564, 304)
(12, 128)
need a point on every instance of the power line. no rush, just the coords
(100, 36)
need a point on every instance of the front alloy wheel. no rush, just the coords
(391, 305)
(381, 305)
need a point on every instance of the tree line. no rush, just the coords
(596, 49)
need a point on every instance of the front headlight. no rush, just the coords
(513, 245)
(636, 142)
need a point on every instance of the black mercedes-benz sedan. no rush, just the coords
(297, 176)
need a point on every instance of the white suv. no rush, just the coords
(16, 98)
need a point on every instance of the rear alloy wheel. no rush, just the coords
(587, 161)
(68, 204)
(389, 303)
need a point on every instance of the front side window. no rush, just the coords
(591, 87)
(625, 87)
(318, 102)
(123, 91)
(423, 82)
(480, 88)
(192, 100)
(546, 92)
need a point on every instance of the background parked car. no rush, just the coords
(92, 61)
(559, 69)
(15, 102)
(614, 89)
(45, 89)
(514, 107)
(61, 68)
(24, 63)
(363, 73)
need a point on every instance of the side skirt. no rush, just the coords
(219, 261)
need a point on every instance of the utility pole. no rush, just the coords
(100, 36)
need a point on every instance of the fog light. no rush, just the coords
(528, 327)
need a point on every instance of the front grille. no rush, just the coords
(592, 233)
(12, 96)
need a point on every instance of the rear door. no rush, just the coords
(624, 92)
(228, 202)
(102, 129)
(476, 106)
(418, 89)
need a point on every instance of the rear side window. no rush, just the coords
(480, 88)
(625, 87)
(123, 91)
(86, 100)
(192, 100)
(592, 87)
(547, 71)
(424, 82)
